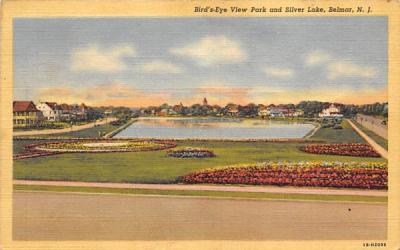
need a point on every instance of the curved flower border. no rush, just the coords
(300, 174)
(39, 149)
(346, 149)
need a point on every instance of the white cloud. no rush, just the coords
(160, 66)
(344, 68)
(94, 58)
(279, 72)
(317, 57)
(336, 68)
(213, 50)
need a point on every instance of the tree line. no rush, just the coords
(311, 109)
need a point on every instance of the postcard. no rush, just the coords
(199, 124)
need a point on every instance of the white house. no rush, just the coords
(263, 111)
(276, 112)
(50, 110)
(167, 111)
(331, 111)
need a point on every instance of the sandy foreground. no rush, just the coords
(67, 216)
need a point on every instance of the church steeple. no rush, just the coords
(205, 103)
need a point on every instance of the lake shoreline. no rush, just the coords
(216, 128)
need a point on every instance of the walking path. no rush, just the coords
(119, 129)
(63, 130)
(383, 152)
(312, 133)
(256, 189)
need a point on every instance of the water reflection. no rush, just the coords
(227, 128)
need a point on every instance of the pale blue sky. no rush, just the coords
(141, 61)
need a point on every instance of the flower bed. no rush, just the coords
(311, 174)
(350, 149)
(92, 146)
(191, 153)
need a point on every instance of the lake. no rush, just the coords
(216, 128)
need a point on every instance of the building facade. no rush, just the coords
(25, 114)
(331, 111)
(51, 111)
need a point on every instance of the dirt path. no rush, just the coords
(66, 216)
(383, 152)
(257, 189)
(63, 130)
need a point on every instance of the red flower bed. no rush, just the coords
(312, 175)
(350, 149)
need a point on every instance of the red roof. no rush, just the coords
(24, 106)
(52, 105)
(65, 107)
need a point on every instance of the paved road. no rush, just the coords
(383, 152)
(63, 130)
(66, 216)
(256, 189)
(374, 124)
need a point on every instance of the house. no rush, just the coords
(233, 110)
(166, 111)
(79, 112)
(65, 112)
(50, 110)
(108, 112)
(263, 111)
(331, 111)
(25, 114)
(277, 112)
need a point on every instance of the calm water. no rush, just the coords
(221, 128)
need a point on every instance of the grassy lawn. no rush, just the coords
(18, 145)
(90, 132)
(345, 135)
(248, 195)
(378, 139)
(156, 167)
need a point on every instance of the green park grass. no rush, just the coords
(85, 133)
(378, 139)
(200, 193)
(157, 167)
(345, 135)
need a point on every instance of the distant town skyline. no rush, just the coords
(138, 62)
